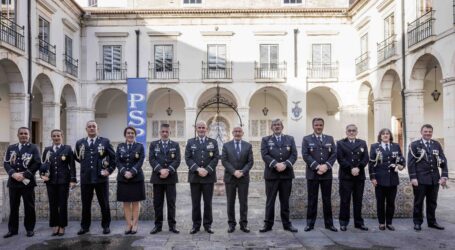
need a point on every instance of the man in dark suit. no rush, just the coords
(22, 160)
(319, 152)
(164, 158)
(201, 157)
(237, 159)
(97, 159)
(425, 157)
(279, 154)
(352, 156)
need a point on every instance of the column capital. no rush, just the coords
(51, 104)
(449, 81)
(73, 108)
(382, 100)
(18, 96)
(414, 92)
(190, 109)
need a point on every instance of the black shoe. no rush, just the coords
(83, 231)
(362, 227)
(194, 230)
(291, 229)
(343, 228)
(382, 227)
(390, 227)
(127, 231)
(245, 229)
(30, 233)
(9, 234)
(436, 226)
(265, 229)
(231, 229)
(106, 230)
(156, 230)
(209, 230)
(417, 227)
(332, 228)
(174, 230)
(308, 228)
(54, 233)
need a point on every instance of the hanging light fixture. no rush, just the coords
(435, 94)
(169, 109)
(265, 110)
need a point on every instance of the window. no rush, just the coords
(216, 56)
(389, 26)
(364, 43)
(268, 56)
(322, 54)
(43, 33)
(292, 1)
(68, 46)
(163, 58)
(192, 1)
(423, 6)
(9, 9)
(92, 3)
(112, 58)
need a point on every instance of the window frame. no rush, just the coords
(165, 64)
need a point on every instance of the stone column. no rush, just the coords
(51, 120)
(190, 117)
(72, 125)
(449, 121)
(244, 113)
(382, 113)
(414, 113)
(18, 113)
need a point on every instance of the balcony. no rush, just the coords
(70, 65)
(322, 71)
(164, 72)
(270, 72)
(111, 71)
(217, 72)
(46, 52)
(361, 63)
(11, 33)
(387, 49)
(421, 28)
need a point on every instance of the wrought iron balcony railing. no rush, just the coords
(11, 33)
(421, 28)
(111, 71)
(362, 63)
(387, 48)
(216, 70)
(270, 71)
(322, 70)
(164, 71)
(70, 65)
(46, 51)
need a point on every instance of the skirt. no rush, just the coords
(130, 191)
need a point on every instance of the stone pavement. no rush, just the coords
(403, 238)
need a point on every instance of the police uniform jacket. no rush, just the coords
(352, 155)
(380, 166)
(274, 152)
(93, 159)
(168, 158)
(130, 160)
(59, 165)
(424, 162)
(26, 160)
(315, 152)
(203, 155)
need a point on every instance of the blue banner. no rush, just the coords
(137, 107)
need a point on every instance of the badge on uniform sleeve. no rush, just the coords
(136, 155)
(211, 153)
(172, 155)
(63, 158)
(288, 148)
(361, 149)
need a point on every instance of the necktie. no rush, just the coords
(20, 146)
(352, 141)
(165, 146)
(91, 142)
(320, 138)
(237, 148)
(387, 149)
(129, 146)
(201, 140)
(428, 145)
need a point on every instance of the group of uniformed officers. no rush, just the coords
(98, 160)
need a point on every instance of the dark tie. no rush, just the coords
(129, 147)
(320, 139)
(201, 141)
(91, 142)
(352, 141)
(165, 146)
(387, 149)
(278, 139)
(237, 149)
(428, 145)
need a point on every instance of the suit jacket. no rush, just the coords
(130, 160)
(231, 162)
(26, 160)
(95, 158)
(160, 158)
(204, 155)
(351, 155)
(426, 169)
(59, 165)
(273, 152)
(380, 169)
(315, 152)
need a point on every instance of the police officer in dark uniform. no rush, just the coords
(385, 162)
(425, 157)
(279, 154)
(352, 156)
(97, 159)
(22, 160)
(201, 157)
(319, 152)
(164, 157)
(59, 173)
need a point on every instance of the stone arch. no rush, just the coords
(111, 113)
(324, 102)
